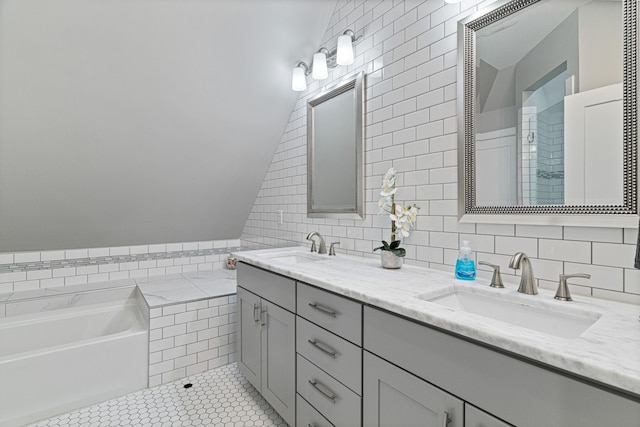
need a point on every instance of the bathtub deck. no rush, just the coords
(219, 397)
(159, 291)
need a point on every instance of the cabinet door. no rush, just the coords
(474, 417)
(278, 359)
(393, 397)
(249, 340)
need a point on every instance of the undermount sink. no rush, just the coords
(295, 257)
(538, 318)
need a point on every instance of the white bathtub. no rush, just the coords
(57, 361)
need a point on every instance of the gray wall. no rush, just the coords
(140, 121)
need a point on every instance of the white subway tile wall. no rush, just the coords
(22, 271)
(409, 54)
(189, 338)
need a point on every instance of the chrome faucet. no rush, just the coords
(563, 293)
(527, 282)
(323, 247)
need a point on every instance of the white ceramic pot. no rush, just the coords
(389, 260)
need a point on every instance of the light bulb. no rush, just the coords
(298, 79)
(320, 71)
(345, 50)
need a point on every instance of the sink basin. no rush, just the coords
(538, 318)
(294, 258)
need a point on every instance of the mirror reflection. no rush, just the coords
(549, 106)
(335, 152)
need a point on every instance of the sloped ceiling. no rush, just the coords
(142, 121)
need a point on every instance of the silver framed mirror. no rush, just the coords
(335, 151)
(547, 112)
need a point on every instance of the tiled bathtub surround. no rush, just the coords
(34, 270)
(192, 337)
(409, 55)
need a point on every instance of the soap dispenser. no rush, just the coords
(465, 265)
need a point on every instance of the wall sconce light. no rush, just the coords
(299, 77)
(323, 60)
(345, 48)
(320, 71)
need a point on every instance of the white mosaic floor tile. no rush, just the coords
(220, 397)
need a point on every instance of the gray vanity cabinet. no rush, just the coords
(249, 337)
(395, 398)
(509, 388)
(266, 341)
(474, 417)
(329, 363)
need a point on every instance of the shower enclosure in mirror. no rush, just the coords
(335, 152)
(547, 111)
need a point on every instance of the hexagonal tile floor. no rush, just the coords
(220, 397)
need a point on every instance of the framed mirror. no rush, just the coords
(335, 152)
(547, 113)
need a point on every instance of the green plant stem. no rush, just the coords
(393, 224)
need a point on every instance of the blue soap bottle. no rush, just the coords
(465, 265)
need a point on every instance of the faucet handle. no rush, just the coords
(313, 246)
(496, 279)
(332, 250)
(563, 293)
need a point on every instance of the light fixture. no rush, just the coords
(320, 71)
(345, 48)
(324, 59)
(299, 77)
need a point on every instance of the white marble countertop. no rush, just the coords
(608, 352)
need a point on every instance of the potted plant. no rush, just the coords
(402, 219)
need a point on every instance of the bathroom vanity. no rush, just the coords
(341, 341)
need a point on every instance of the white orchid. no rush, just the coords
(384, 204)
(402, 217)
(389, 184)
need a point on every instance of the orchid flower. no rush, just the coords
(402, 217)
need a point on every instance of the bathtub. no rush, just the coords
(57, 361)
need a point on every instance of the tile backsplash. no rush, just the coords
(23, 271)
(409, 54)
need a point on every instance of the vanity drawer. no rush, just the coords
(334, 355)
(270, 286)
(333, 312)
(307, 416)
(339, 405)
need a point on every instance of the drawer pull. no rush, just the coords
(445, 419)
(325, 351)
(329, 396)
(256, 312)
(322, 309)
(263, 316)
